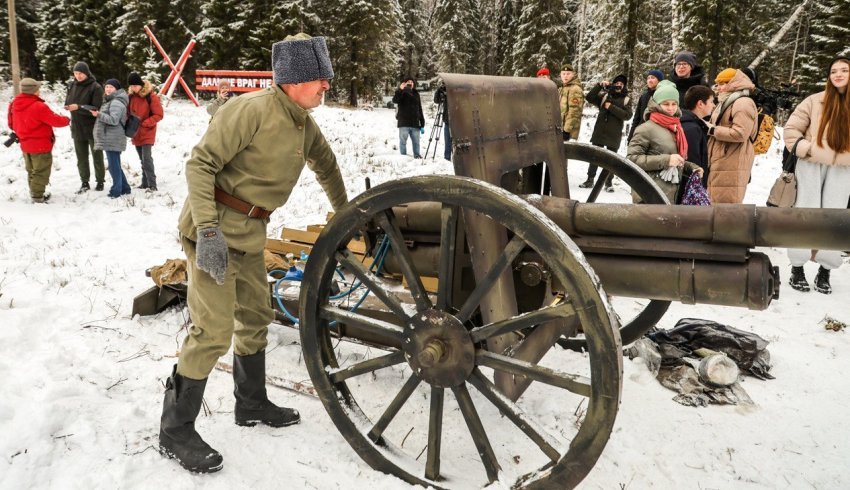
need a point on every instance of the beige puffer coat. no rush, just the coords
(730, 148)
(804, 123)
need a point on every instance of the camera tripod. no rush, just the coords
(436, 130)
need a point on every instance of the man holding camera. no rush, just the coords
(410, 117)
(84, 90)
(33, 122)
(221, 98)
(614, 109)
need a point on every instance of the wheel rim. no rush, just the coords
(611, 163)
(456, 359)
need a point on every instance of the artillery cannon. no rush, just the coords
(517, 274)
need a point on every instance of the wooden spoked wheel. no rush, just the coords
(433, 352)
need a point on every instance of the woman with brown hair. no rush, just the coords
(822, 125)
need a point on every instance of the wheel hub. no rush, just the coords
(438, 348)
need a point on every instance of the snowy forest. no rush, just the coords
(373, 43)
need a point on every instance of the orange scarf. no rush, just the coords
(674, 124)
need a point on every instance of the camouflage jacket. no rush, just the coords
(572, 102)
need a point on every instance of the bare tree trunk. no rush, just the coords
(780, 34)
(794, 56)
(675, 24)
(13, 48)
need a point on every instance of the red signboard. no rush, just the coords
(240, 81)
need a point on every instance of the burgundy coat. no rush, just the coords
(33, 122)
(149, 112)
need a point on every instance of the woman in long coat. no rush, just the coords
(730, 133)
(821, 123)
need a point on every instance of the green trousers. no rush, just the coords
(239, 310)
(38, 166)
(82, 148)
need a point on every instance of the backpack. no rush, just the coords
(764, 136)
(131, 126)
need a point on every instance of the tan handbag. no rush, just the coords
(783, 194)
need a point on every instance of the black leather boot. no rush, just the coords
(83, 188)
(252, 402)
(798, 279)
(587, 184)
(822, 281)
(177, 436)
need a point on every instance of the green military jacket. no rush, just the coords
(572, 102)
(255, 149)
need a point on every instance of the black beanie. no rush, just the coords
(134, 79)
(115, 83)
(620, 78)
(83, 67)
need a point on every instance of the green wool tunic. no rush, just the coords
(255, 149)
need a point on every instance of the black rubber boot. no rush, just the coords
(252, 402)
(798, 279)
(177, 436)
(822, 281)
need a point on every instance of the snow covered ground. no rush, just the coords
(82, 381)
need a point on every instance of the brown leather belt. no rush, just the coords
(239, 205)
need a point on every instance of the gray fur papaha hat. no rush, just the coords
(301, 58)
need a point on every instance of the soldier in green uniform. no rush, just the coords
(244, 167)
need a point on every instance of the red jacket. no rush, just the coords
(33, 122)
(150, 114)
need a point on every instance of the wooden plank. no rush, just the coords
(302, 236)
(430, 283)
(307, 237)
(315, 228)
(284, 247)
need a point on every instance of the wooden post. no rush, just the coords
(13, 48)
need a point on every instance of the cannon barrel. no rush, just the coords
(690, 254)
(731, 224)
(750, 282)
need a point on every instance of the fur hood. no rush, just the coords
(146, 89)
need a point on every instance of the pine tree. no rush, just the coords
(87, 38)
(541, 37)
(272, 21)
(139, 53)
(828, 34)
(27, 24)
(507, 21)
(414, 26)
(457, 32)
(364, 40)
(52, 48)
(221, 34)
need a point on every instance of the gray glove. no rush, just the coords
(211, 253)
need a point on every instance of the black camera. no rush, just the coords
(771, 100)
(13, 138)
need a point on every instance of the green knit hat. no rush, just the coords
(666, 90)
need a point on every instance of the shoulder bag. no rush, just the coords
(783, 194)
